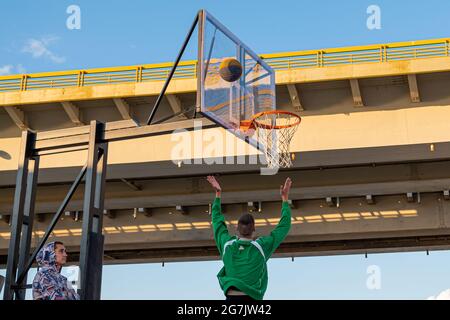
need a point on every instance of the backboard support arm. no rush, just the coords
(172, 71)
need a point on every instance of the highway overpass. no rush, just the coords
(371, 170)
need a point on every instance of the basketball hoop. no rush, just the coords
(275, 130)
(236, 85)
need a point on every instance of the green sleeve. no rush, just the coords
(270, 243)
(221, 235)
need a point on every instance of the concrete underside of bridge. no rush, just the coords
(349, 222)
(370, 178)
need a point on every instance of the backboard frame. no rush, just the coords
(203, 16)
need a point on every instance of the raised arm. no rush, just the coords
(221, 235)
(276, 237)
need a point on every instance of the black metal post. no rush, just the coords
(27, 225)
(91, 251)
(26, 148)
(166, 84)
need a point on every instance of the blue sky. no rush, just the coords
(118, 32)
(34, 38)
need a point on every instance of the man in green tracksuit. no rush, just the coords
(244, 275)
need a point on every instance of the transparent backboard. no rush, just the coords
(230, 102)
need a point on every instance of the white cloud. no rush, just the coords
(10, 69)
(444, 295)
(38, 48)
(6, 69)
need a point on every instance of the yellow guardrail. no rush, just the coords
(187, 69)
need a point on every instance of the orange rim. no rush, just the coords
(253, 123)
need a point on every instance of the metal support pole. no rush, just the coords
(26, 147)
(91, 251)
(27, 225)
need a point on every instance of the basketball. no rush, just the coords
(230, 70)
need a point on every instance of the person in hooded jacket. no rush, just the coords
(49, 283)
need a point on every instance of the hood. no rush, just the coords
(46, 256)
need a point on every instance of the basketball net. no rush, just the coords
(275, 130)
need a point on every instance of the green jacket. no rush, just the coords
(245, 261)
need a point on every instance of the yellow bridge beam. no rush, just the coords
(400, 58)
